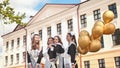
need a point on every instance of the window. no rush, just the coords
(101, 63)
(6, 60)
(113, 8)
(97, 14)
(11, 59)
(59, 28)
(117, 62)
(24, 56)
(12, 44)
(116, 37)
(70, 25)
(83, 20)
(102, 42)
(87, 64)
(24, 40)
(49, 31)
(7, 44)
(18, 41)
(17, 58)
(40, 33)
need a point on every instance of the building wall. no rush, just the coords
(110, 50)
(15, 50)
(53, 21)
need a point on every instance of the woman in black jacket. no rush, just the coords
(51, 52)
(71, 50)
(59, 50)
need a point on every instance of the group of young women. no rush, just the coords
(59, 57)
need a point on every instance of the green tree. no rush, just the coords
(8, 16)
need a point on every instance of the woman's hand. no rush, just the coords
(49, 46)
(73, 65)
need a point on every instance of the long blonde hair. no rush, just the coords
(34, 44)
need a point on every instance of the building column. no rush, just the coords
(53, 30)
(44, 39)
(64, 32)
(75, 26)
(108, 43)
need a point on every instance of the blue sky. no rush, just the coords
(40, 5)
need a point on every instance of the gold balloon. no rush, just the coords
(99, 38)
(84, 32)
(94, 46)
(99, 23)
(108, 16)
(82, 51)
(97, 31)
(109, 28)
(84, 41)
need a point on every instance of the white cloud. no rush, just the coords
(22, 6)
(26, 6)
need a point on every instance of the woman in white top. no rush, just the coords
(34, 55)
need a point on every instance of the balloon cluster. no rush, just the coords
(91, 43)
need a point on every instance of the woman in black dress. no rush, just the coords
(71, 50)
(51, 52)
(59, 50)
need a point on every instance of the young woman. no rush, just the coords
(34, 55)
(71, 51)
(59, 50)
(51, 52)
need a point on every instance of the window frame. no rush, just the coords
(49, 31)
(101, 62)
(12, 44)
(114, 9)
(18, 41)
(59, 31)
(17, 58)
(116, 37)
(11, 59)
(70, 24)
(97, 14)
(40, 34)
(87, 64)
(117, 62)
(6, 60)
(83, 19)
(24, 39)
(7, 45)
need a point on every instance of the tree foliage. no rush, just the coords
(8, 16)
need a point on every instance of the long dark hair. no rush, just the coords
(59, 39)
(34, 43)
(48, 40)
(73, 38)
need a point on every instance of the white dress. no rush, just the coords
(67, 57)
(34, 57)
(47, 62)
